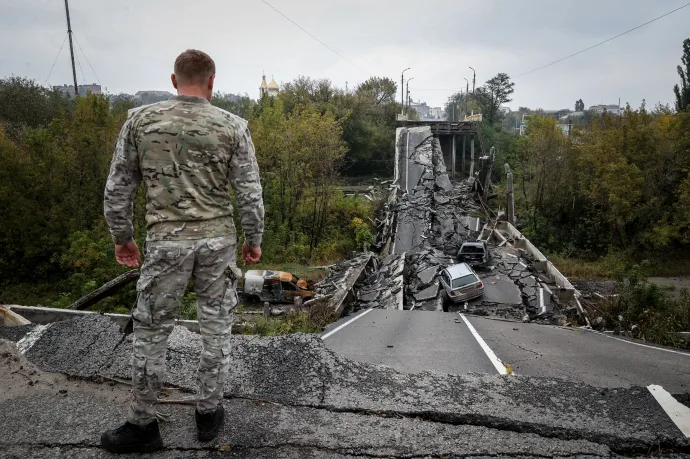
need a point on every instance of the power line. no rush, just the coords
(80, 69)
(605, 41)
(56, 59)
(87, 59)
(314, 37)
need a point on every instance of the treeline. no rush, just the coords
(615, 186)
(55, 154)
(621, 183)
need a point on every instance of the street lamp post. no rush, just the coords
(407, 84)
(402, 90)
(474, 79)
(467, 93)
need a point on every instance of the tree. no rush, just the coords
(381, 90)
(23, 102)
(455, 106)
(492, 94)
(579, 105)
(239, 105)
(683, 91)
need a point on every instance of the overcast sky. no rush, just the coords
(132, 45)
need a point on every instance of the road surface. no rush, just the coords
(414, 341)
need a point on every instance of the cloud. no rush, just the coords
(132, 45)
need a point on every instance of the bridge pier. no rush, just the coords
(472, 157)
(452, 159)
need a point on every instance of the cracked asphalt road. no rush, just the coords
(411, 342)
(292, 397)
(589, 357)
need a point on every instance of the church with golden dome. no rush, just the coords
(272, 88)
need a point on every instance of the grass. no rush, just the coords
(574, 268)
(312, 321)
(609, 265)
(645, 311)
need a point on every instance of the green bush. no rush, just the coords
(646, 310)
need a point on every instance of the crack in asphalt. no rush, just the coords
(302, 446)
(518, 346)
(615, 444)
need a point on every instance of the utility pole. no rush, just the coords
(71, 50)
(407, 84)
(474, 79)
(402, 90)
(510, 204)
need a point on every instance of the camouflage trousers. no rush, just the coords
(167, 268)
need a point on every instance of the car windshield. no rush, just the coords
(465, 280)
(472, 249)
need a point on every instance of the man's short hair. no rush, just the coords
(194, 67)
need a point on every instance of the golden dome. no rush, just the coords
(273, 84)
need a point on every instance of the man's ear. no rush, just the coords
(210, 82)
(173, 78)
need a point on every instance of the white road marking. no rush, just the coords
(30, 338)
(687, 354)
(523, 265)
(485, 347)
(477, 225)
(330, 333)
(542, 306)
(679, 413)
(548, 289)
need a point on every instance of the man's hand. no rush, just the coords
(250, 255)
(128, 254)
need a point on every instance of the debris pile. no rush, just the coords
(423, 287)
(338, 288)
(383, 288)
(427, 218)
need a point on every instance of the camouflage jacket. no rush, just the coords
(187, 152)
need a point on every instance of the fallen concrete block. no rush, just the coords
(426, 276)
(428, 293)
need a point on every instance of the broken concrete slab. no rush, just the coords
(255, 429)
(527, 281)
(499, 289)
(370, 296)
(426, 275)
(58, 352)
(299, 371)
(14, 334)
(428, 293)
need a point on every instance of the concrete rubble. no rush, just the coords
(337, 290)
(384, 287)
(425, 221)
(291, 397)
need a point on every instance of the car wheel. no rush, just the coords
(445, 301)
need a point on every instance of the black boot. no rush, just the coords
(131, 438)
(208, 425)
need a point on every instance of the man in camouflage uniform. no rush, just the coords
(187, 153)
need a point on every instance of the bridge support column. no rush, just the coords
(464, 149)
(472, 157)
(452, 159)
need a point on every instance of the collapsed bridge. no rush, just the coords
(427, 218)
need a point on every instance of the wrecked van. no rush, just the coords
(275, 286)
(474, 253)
